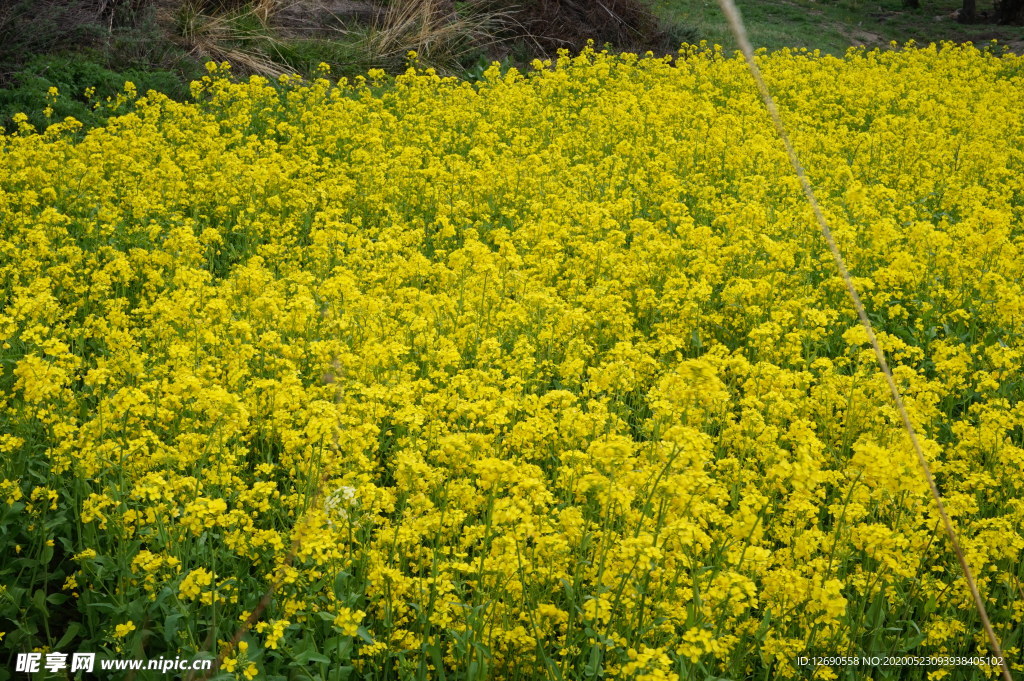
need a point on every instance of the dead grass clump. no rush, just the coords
(228, 30)
(624, 24)
(441, 36)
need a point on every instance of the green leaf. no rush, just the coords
(39, 601)
(341, 647)
(339, 583)
(435, 653)
(171, 627)
(594, 663)
(311, 655)
(340, 673)
(109, 607)
(73, 629)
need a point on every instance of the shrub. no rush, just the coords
(72, 75)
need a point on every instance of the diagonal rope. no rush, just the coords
(268, 595)
(732, 14)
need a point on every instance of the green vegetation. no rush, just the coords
(85, 89)
(834, 25)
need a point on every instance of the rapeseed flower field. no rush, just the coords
(549, 376)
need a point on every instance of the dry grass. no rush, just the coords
(570, 24)
(439, 35)
(242, 36)
(276, 37)
(250, 34)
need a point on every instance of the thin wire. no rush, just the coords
(732, 14)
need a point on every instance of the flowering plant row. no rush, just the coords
(547, 376)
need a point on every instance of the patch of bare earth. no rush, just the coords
(859, 37)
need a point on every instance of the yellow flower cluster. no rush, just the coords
(348, 621)
(550, 373)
